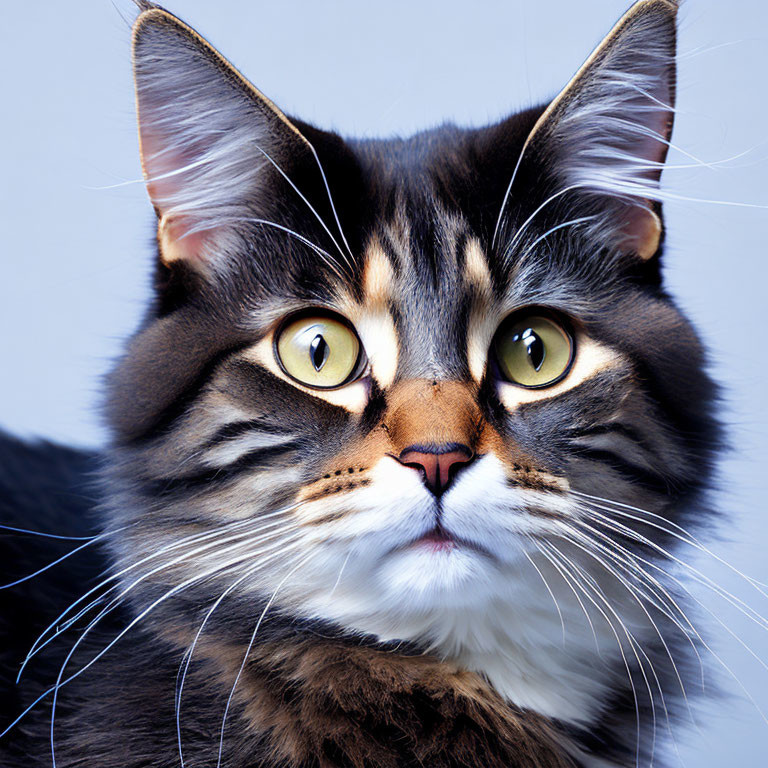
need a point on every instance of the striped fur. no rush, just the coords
(266, 547)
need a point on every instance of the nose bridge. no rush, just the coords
(427, 413)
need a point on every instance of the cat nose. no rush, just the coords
(439, 464)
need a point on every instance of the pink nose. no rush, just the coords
(438, 464)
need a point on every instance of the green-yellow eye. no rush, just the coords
(320, 351)
(533, 350)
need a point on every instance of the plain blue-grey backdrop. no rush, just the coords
(75, 226)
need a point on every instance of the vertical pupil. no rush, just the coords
(319, 351)
(535, 347)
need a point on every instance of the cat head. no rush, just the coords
(389, 383)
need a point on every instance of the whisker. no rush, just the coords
(686, 537)
(636, 649)
(327, 258)
(188, 656)
(551, 230)
(637, 594)
(338, 578)
(39, 644)
(554, 557)
(192, 539)
(225, 550)
(248, 652)
(721, 593)
(507, 192)
(170, 593)
(136, 620)
(661, 603)
(330, 198)
(61, 559)
(44, 535)
(551, 593)
(307, 203)
(709, 649)
(700, 577)
(524, 226)
(187, 660)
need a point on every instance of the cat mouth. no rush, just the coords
(439, 540)
(436, 540)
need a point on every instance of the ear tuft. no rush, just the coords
(606, 135)
(206, 136)
(145, 5)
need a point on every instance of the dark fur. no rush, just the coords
(313, 695)
(316, 696)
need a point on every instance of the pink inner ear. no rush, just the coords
(161, 167)
(166, 179)
(178, 241)
(642, 226)
(642, 232)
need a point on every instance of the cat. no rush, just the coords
(399, 455)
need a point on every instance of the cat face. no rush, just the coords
(382, 385)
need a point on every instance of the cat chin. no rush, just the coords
(428, 577)
(391, 594)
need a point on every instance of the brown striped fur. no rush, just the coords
(364, 707)
(256, 522)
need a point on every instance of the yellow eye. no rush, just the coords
(320, 351)
(533, 350)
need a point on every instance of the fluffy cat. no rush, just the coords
(399, 453)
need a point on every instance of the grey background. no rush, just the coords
(75, 226)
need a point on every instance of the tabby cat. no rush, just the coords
(397, 456)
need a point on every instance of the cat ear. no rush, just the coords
(208, 139)
(605, 137)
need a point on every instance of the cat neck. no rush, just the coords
(374, 706)
(552, 662)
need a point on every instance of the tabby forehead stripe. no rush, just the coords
(378, 277)
(476, 269)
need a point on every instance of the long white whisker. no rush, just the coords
(636, 650)
(61, 559)
(248, 651)
(188, 656)
(170, 593)
(194, 538)
(327, 258)
(539, 239)
(308, 204)
(338, 578)
(524, 226)
(551, 593)
(330, 199)
(700, 577)
(661, 602)
(687, 537)
(556, 557)
(507, 192)
(42, 534)
(639, 596)
(717, 658)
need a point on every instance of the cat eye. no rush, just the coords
(318, 350)
(533, 350)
